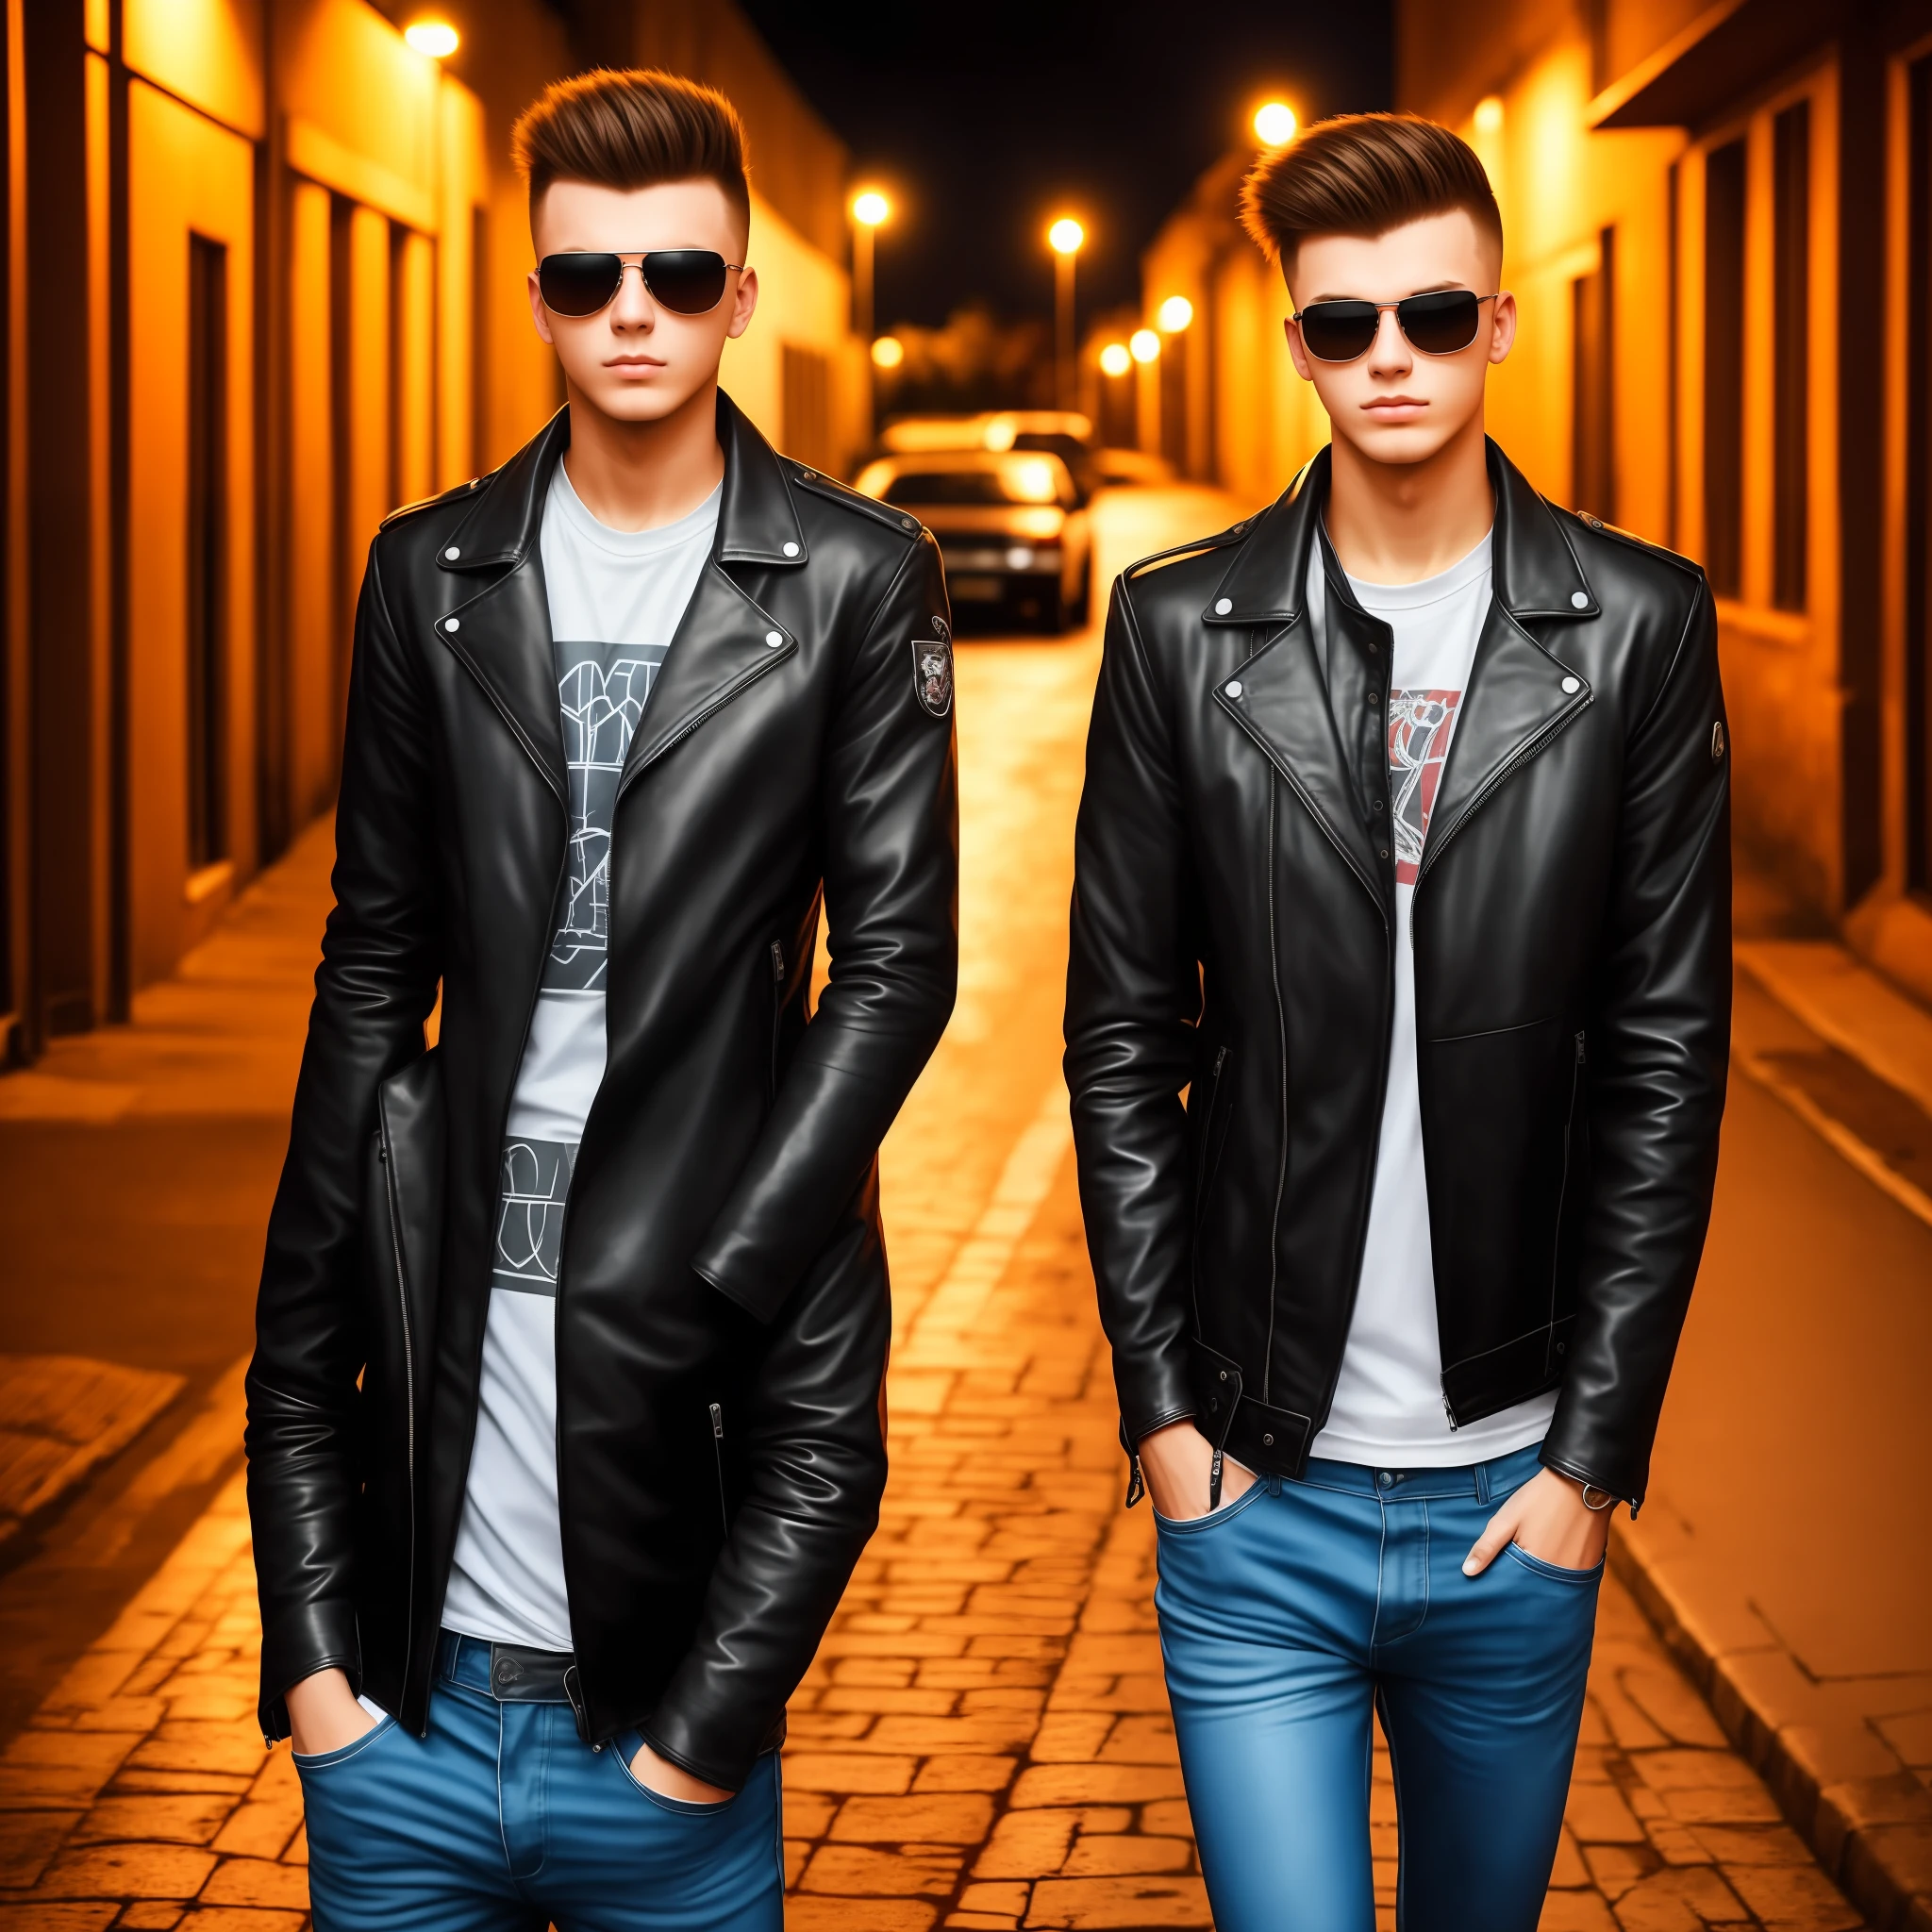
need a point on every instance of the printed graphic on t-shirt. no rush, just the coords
(1419, 723)
(529, 1214)
(602, 703)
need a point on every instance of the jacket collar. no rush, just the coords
(757, 520)
(1537, 574)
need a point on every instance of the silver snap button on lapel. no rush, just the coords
(1579, 600)
(1233, 688)
(774, 638)
(452, 552)
(1223, 605)
(1571, 686)
(792, 550)
(452, 623)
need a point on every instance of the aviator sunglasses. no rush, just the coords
(1437, 325)
(687, 281)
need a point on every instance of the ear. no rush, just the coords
(1291, 329)
(745, 303)
(1502, 325)
(539, 314)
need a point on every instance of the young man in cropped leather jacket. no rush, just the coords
(1403, 853)
(564, 1418)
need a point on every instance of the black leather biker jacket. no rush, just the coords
(1233, 927)
(721, 1319)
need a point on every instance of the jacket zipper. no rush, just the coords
(1211, 1166)
(395, 1236)
(1577, 1067)
(718, 1458)
(777, 1014)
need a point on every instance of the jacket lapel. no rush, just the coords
(1283, 706)
(1279, 697)
(722, 646)
(1517, 699)
(501, 632)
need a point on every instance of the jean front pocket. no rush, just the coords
(330, 1761)
(1200, 1526)
(1556, 1571)
(627, 1748)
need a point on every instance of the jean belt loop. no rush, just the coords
(1482, 1482)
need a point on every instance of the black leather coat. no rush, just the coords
(1233, 930)
(723, 1241)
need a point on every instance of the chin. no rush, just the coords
(637, 402)
(1403, 442)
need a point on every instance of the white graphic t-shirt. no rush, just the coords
(1388, 1410)
(616, 597)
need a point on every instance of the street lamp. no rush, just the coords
(1065, 238)
(435, 38)
(888, 353)
(1143, 345)
(1274, 124)
(1175, 314)
(1115, 359)
(870, 211)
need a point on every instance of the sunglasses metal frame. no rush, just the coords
(1382, 308)
(638, 258)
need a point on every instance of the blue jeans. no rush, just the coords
(501, 1820)
(1283, 1614)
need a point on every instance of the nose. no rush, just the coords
(1391, 348)
(632, 307)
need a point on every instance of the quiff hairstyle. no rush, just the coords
(632, 127)
(1363, 175)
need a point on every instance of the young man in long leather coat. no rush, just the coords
(1403, 851)
(564, 1419)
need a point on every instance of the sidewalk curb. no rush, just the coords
(1865, 1816)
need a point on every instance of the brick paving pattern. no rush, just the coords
(983, 1740)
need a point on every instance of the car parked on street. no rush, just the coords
(1066, 433)
(1012, 525)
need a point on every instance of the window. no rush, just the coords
(1593, 456)
(807, 403)
(207, 494)
(1918, 705)
(1791, 350)
(1723, 368)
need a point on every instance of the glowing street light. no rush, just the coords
(1274, 124)
(1489, 115)
(871, 210)
(1115, 359)
(1066, 238)
(888, 353)
(1143, 345)
(435, 38)
(1175, 314)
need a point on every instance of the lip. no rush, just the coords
(635, 363)
(1390, 406)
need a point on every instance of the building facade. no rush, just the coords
(264, 281)
(1720, 237)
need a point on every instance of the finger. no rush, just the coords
(1491, 1544)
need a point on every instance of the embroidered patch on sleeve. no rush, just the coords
(932, 669)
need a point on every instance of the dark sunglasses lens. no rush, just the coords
(1338, 331)
(687, 281)
(577, 284)
(1439, 325)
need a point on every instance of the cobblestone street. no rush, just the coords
(983, 1741)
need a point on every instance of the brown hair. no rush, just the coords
(1363, 175)
(631, 128)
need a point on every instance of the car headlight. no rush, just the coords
(1019, 557)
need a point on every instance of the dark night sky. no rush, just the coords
(985, 120)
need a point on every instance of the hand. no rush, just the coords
(323, 1714)
(1176, 1463)
(1546, 1519)
(672, 1781)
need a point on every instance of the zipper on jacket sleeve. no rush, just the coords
(777, 1013)
(718, 1458)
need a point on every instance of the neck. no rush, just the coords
(1399, 523)
(641, 475)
